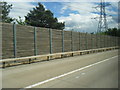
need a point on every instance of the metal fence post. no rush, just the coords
(100, 42)
(79, 41)
(93, 38)
(107, 40)
(91, 41)
(71, 41)
(82, 41)
(96, 41)
(50, 40)
(116, 41)
(110, 41)
(104, 41)
(62, 40)
(86, 41)
(14, 40)
(113, 41)
(35, 42)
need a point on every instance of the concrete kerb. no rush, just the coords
(32, 59)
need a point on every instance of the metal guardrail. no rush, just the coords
(32, 59)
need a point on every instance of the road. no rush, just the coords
(98, 70)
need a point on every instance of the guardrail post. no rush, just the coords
(3, 65)
(50, 40)
(14, 40)
(35, 42)
(62, 40)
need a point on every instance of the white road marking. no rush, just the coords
(77, 77)
(45, 81)
(83, 73)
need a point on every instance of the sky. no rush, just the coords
(78, 16)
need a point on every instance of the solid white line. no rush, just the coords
(45, 81)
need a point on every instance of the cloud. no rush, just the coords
(112, 23)
(60, 0)
(20, 0)
(112, 9)
(82, 8)
(20, 9)
(79, 22)
(82, 21)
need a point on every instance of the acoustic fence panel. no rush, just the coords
(76, 41)
(43, 42)
(25, 41)
(7, 41)
(67, 41)
(22, 41)
(56, 41)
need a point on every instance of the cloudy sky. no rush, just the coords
(76, 15)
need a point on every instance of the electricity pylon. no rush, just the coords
(102, 24)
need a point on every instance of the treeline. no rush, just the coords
(112, 32)
(38, 17)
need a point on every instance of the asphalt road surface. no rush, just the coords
(98, 70)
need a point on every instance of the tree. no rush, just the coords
(5, 12)
(43, 18)
(20, 21)
(112, 32)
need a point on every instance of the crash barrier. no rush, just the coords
(32, 59)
